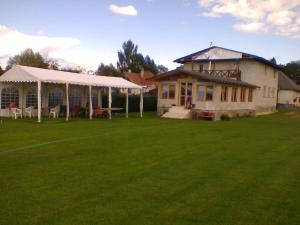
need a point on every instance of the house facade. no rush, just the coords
(218, 81)
(288, 92)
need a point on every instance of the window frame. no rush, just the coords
(13, 96)
(243, 94)
(250, 95)
(224, 97)
(55, 99)
(168, 85)
(75, 98)
(31, 100)
(235, 99)
(206, 86)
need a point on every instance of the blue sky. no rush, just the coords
(90, 32)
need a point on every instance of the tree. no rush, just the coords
(108, 70)
(72, 70)
(162, 69)
(130, 59)
(149, 65)
(1, 71)
(28, 58)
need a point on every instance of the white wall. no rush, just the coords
(263, 76)
(287, 96)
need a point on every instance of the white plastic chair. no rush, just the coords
(54, 111)
(16, 112)
(29, 111)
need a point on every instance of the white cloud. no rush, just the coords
(123, 10)
(250, 27)
(280, 17)
(210, 14)
(13, 42)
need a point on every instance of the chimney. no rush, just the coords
(142, 72)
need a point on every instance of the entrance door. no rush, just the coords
(186, 92)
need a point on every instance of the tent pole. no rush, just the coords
(90, 101)
(67, 102)
(141, 103)
(39, 98)
(127, 103)
(109, 102)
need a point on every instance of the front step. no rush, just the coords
(177, 112)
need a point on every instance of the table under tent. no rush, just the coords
(23, 88)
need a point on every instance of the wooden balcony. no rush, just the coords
(232, 74)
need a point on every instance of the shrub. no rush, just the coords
(119, 100)
(225, 117)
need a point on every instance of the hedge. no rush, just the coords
(119, 100)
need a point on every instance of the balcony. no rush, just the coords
(232, 74)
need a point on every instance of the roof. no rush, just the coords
(244, 55)
(285, 83)
(205, 77)
(31, 74)
(137, 79)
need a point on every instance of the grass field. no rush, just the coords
(151, 171)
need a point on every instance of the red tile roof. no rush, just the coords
(137, 79)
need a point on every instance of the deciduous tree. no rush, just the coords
(28, 58)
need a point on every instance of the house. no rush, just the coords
(288, 93)
(217, 81)
(142, 79)
(43, 90)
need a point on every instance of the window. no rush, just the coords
(250, 95)
(171, 91)
(31, 98)
(164, 91)
(168, 91)
(95, 98)
(269, 92)
(205, 92)
(201, 93)
(209, 93)
(243, 94)
(224, 93)
(234, 94)
(55, 97)
(8, 96)
(264, 91)
(75, 97)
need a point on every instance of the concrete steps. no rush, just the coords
(177, 112)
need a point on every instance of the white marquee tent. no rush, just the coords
(25, 74)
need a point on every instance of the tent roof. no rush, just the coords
(31, 74)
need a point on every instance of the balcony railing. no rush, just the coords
(233, 74)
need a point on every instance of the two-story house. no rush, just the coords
(218, 81)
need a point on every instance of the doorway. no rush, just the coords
(186, 92)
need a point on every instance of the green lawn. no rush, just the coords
(151, 171)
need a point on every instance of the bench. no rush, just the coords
(205, 115)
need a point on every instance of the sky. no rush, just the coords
(88, 32)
